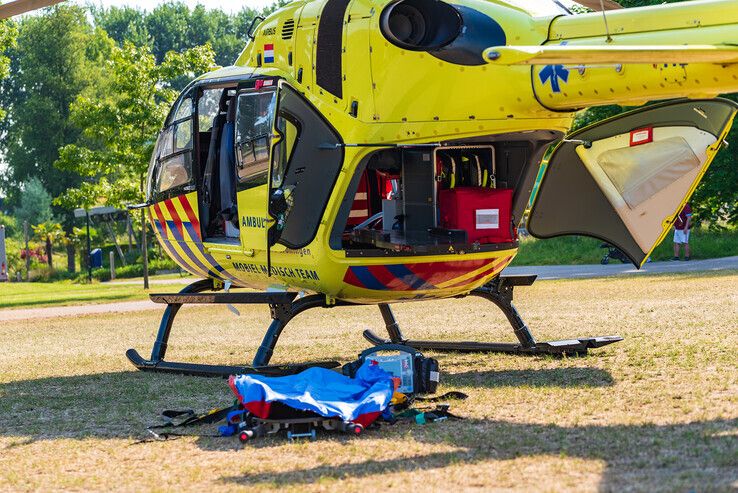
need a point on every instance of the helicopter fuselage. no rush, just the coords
(355, 102)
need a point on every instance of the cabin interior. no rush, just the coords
(469, 196)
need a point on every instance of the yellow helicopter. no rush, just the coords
(377, 152)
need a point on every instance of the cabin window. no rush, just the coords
(184, 110)
(208, 108)
(289, 130)
(254, 123)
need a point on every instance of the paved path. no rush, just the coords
(153, 282)
(544, 272)
(615, 269)
(73, 311)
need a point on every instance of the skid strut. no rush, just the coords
(499, 292)
(283, 309)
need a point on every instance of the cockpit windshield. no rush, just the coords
(542, 8)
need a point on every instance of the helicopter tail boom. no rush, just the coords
(610, 55)
(633, 56)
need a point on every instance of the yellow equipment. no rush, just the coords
(375, 151)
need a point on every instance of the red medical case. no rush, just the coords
(484, 213)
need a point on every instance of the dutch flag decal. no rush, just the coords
(269, 53)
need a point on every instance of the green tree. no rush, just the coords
(123, 24)
(35, 203)
(59, 57)
(119, 131)
(173, 26)
(7, 40)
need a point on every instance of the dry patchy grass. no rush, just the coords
(657, 412)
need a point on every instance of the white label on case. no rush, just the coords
(434, 376)
(488, 218)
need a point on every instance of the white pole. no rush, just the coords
(112, 266)
(3, 257)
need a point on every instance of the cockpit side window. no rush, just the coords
(208, 108)
(171, 168)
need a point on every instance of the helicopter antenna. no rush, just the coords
(604, 17)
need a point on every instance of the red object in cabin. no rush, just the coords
(484, 213)
(360, 207)
(641, 136)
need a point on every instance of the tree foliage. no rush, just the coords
(172, 26)
(119, 130)
(35, 204)
(58, 54)
(7, 40)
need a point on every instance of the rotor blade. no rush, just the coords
(597, 6)
(18, 7)
(610, 55)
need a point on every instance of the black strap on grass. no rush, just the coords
(160, 432)
(447, 396)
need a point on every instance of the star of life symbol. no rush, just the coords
(554, 73)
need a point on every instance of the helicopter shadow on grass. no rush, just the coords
(645, 457)
(107, 405)
(119, 406)
(122, 405)
(551, 377)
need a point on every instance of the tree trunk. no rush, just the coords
(71, 263)
(49, 252)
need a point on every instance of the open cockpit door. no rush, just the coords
(254, 136)
(625, 180)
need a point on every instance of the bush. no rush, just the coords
(577, 250)
(130, 271)
(11, 226)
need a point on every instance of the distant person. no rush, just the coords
(682, 225)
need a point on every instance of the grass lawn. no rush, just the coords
(37, 294)
(574, 250)
(656, 412)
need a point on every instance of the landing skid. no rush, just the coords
(222, 371)
(285, 306)
(499, 292)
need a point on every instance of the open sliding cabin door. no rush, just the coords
(626, 179)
